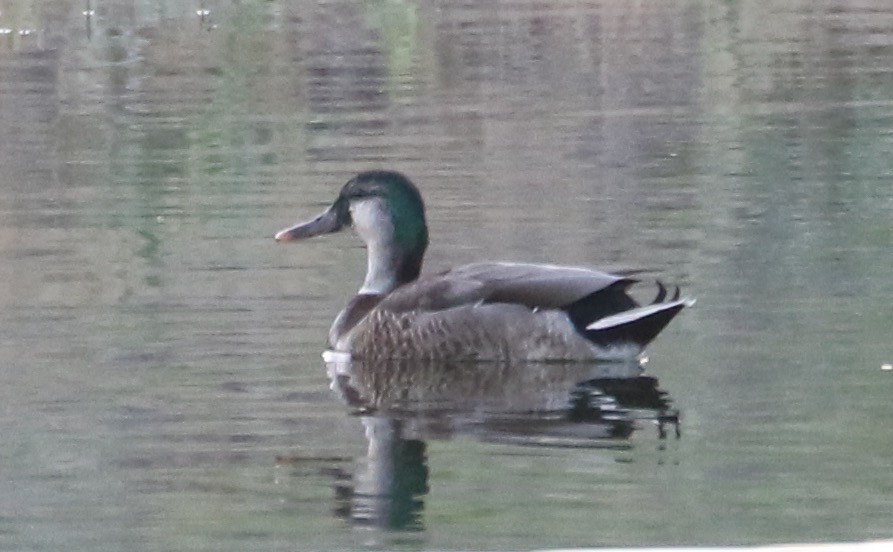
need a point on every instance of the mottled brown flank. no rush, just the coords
(471, 332)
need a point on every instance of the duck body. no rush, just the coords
(489, 311)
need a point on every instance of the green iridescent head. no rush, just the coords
(386, 211)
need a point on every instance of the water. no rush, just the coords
(161, 380)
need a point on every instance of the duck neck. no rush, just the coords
(388, 267)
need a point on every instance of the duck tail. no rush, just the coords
(639, 325)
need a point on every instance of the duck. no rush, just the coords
(489, 311)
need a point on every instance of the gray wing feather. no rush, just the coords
(532, 285)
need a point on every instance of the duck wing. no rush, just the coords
(537, 286)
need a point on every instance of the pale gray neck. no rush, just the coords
(381, 275)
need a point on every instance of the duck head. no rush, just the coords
(386, 211)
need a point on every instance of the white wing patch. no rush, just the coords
(637, 313)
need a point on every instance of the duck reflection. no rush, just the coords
(388, 487)
(404, 404)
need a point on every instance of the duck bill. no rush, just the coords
(326, 223)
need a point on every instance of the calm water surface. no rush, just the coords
(160, 373)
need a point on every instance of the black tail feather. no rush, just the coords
(661, 293)
(639, 331)
(600, 304)
(638, 327)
